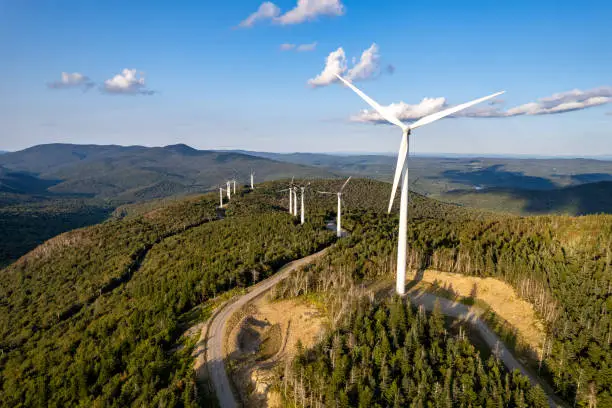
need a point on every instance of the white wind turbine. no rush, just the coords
(290, 189)
(229, 191)
(252, 176)
(302, 210)
(295, 203)
(339, 216)
(401, 168)
(220, 197)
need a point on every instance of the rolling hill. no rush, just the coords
(48, 189)
(95, 316)
(136, 173)
(435, 175)
(590, 198)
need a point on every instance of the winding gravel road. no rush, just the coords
(216, 331)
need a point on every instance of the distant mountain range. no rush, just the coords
(134, 173)
(436, 175)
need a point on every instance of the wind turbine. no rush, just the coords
(339, 216)
(234, 181)
(295, 203)
(252, 175)
(302, 188)
(401, 168)
(220, 197)
(229, 191)
(290, 189)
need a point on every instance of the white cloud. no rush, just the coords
(306, 47)
(311, 9)
(367, 66)
(334, 64)
(266, 10)
(72, 80)
(128, 82)
(305, 10)
(298, 47)
(287, 47)
(557, 103)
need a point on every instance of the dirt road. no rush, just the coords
(461, 311)
(216, 331)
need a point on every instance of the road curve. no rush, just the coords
(214, 350)
(464, 312)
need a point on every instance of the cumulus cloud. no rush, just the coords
(306, 47)
(127, 82)
(335, 64)
(368, 66)
(557, 103)
(310, 9)
(305, 10)
(72, 80)
(298, 47)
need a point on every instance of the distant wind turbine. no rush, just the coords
(401, 168)
(302, 188)
(290, 189)
(229, 191)
(295, 204)
(220, 197)
(252, 184)
(339, 216)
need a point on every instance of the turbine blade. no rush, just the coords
(345, 183)
(439, 115)
(325, 192)
(401, 158)
(382, 111)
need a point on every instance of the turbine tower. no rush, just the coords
(302, 210)
(252, 175)
(234, 181)
(339, 216)
(401, 168)
(229, 191)
(220, 197)
(295, 210)
(290, 189)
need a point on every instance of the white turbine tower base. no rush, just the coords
(220, 197)
(252, 183)
(295, 202)
(229, 191)
(401, 168)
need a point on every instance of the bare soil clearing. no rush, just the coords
(265, 339)
(500, 296)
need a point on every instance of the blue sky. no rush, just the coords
(210, 83)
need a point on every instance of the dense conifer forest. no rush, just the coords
(94, 316)
(393, 355)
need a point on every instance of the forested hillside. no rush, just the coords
(562, 265)
(392, 355)
(93, 317)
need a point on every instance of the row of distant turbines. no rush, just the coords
(293, 202)
(229, 190)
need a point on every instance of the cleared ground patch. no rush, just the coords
(498, 295)
(264, 339)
